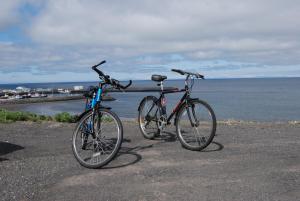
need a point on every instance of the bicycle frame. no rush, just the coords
(96, 99)
(162, 101)
(92, 104)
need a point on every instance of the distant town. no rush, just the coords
(27, 93)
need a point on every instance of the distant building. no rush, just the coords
(23, 89)
(77, 88)
(9, 91)
(44, 90)
(63, 91)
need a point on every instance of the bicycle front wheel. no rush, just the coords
(196, 125)
(97, 138)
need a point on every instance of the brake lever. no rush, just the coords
(200, 76)
(130, 82)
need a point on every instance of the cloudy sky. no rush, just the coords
(50, 41)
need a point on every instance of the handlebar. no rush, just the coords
(102, 62)
(115, 83)
(100, 73)
(181, 72)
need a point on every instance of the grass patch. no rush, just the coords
(11, 116)
(65, 117)
(107, 119)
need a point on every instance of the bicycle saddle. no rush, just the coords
(158, 78)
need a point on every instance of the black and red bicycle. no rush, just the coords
(195, 120)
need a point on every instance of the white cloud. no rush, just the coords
(69, 35)
(8, 14)
(147, 27)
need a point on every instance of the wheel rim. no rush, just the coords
(197, 134)
(149, 118)
(100, 150)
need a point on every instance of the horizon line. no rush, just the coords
(233, 78)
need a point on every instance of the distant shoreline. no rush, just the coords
(147, 80)
(48, 99)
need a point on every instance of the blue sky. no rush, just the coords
(51, 41)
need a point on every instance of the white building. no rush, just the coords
(22, 89)
(77, 88)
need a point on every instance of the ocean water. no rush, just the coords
(258, 99)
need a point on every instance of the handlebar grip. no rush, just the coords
(102, 62)
(178, 71)
(97, 70)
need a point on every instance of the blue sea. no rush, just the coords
(258, 99)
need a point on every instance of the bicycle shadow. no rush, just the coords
(6, 148)
(213, 146)
(169, 136)
(166, 136)
(127, 156)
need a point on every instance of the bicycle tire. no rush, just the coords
(141, 119)
(180, 131)
(116, 147)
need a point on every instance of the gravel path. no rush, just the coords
(246, 161)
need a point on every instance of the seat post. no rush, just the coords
(161, 85)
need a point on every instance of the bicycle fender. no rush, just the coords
(85, 112)
(104, 107)
(192, 99)
(176, 114)
(189, 100)
(144, 99)
(82, 114)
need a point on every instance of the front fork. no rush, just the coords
(97, 126)
(192, 114)
(89, 130)
(95, 105)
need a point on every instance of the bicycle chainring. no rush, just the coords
(162, 122)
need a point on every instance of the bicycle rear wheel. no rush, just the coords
(97, 138)
(196, 125)
(149, 113)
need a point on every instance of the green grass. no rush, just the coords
(107, 119)
(65, 117)
(10, 116)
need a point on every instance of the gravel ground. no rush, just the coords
(246, 161)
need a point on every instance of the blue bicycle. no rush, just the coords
(99, 132)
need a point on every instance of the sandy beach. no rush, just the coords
(246, 161)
